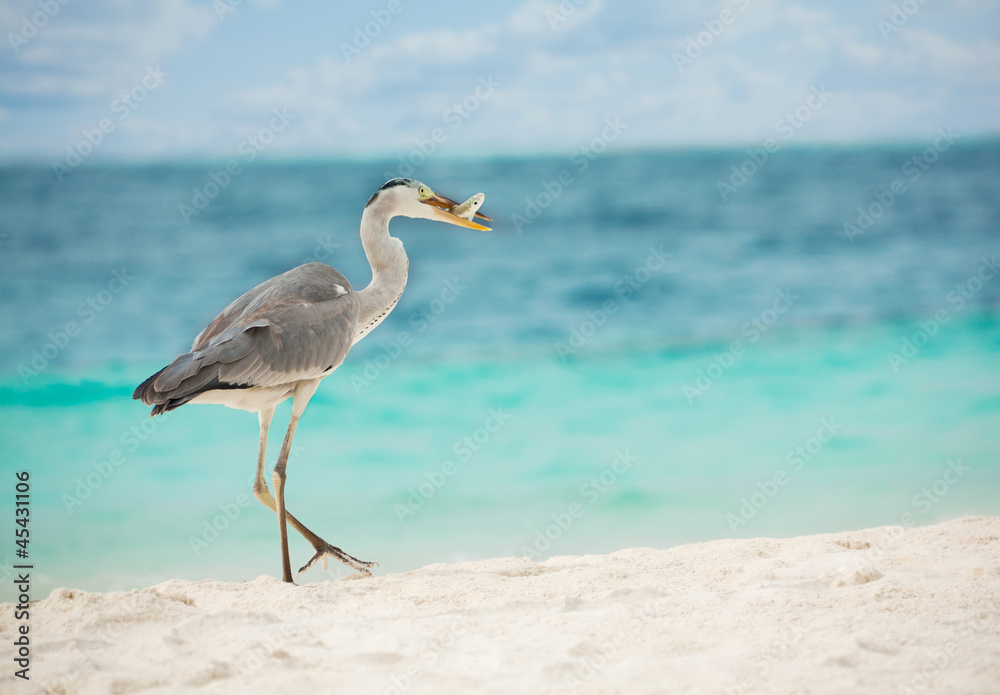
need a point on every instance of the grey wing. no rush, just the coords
(285, 342)
(312, 282)
(296, 326)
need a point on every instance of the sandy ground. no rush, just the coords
(886, 610)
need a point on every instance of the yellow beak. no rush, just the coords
(442, 211)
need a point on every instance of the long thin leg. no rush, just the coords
(261, 492)
(278, 479)
(322, 547)
(259, 486)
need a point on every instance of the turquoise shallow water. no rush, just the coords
(611, 433)
(642, 365)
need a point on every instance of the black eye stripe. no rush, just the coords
(395, 182)
(387, 185)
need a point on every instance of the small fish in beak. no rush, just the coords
(467, 210)
(445, 210)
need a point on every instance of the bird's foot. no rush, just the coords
(325, 551)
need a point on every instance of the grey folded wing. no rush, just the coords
(296, 326)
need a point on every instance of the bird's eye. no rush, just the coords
(424, 191)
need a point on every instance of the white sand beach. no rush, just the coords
(885, 610)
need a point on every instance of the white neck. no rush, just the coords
(389, 267)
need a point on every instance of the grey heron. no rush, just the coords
(281, 338)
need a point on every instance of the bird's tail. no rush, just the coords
(180, 381)
(161, 401)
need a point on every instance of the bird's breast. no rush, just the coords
(368, 323)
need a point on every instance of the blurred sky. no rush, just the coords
(557, 71)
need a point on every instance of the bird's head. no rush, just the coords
(412, 198)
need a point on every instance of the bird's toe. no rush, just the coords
(326, 551)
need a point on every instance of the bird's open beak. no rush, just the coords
(443, 212)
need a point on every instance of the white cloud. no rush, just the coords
(561, 73)
(555, 93)
(90, 51)
(925, 51)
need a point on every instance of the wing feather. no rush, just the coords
(298, 325)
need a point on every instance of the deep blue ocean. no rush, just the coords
(649, 350)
